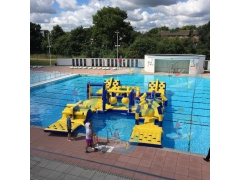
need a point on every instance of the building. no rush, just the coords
(168, 63)
(100, 62)
(180, 34)
(174, 63)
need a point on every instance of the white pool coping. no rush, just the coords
(52, 80)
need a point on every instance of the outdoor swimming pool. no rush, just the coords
(186, 123)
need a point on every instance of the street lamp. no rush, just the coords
(117, 46)
(49, 50)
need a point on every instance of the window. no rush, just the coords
(85, 62)
(92, 62)
(77, 63)
(136, 63)
(73, 62)
(100, 62)
(108, 62)
(96, 60)
(80, 62)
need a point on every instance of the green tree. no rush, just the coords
(164, 28)
(106, 22)
(172, 46)
(142, 46)
(56, 33)
(189, 45)
(175, 29)
(162, 45)
(203, 46)
(78, 38)
(62, 45)
(35, 38)
(153, 33)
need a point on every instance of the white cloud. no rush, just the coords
(135, 4)
(152, 3)
(135, 15)
(67, 4)
(40, 18)
(158, 13)
(42, 6)
(191, 12)
(193, 8)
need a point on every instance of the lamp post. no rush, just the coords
(49, 51)
(117, 46)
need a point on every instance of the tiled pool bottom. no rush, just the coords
(105, 125)
(186, 122)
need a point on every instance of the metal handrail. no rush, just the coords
(39, 77)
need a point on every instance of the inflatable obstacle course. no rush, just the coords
(147, 108)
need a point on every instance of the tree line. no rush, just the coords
(110, 29)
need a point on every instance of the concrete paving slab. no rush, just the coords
(52, 165)
(88, 174)
(62, 167)
(54, 175)
(98, 176)
(76, 171)
(44, 172)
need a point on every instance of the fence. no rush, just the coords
(38, 76)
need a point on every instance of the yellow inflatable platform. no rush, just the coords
(147, 133)
(80, 112)
(147, 108)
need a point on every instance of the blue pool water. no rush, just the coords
(186, 122)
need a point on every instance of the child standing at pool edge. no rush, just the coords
(87, 127)
(69, 126)
(89, 139)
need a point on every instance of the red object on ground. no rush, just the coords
(177, 73)
(95, 139)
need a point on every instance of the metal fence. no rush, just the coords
(38, 76)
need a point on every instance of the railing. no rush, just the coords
(39, 76)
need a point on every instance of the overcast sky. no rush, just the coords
(142, 14)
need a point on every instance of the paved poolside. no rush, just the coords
(53, 157)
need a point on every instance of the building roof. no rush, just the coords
(179, 33)
(195, 32)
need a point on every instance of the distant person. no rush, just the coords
(69, 126)
(207, 158)
(172, 68)
(116, 136)
(75, 92)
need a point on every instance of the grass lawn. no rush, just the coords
(41, 62)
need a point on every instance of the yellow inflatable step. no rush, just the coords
(61, 125)
(146, 134)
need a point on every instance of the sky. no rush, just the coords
(142, 14)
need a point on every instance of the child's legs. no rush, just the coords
(88, 142)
